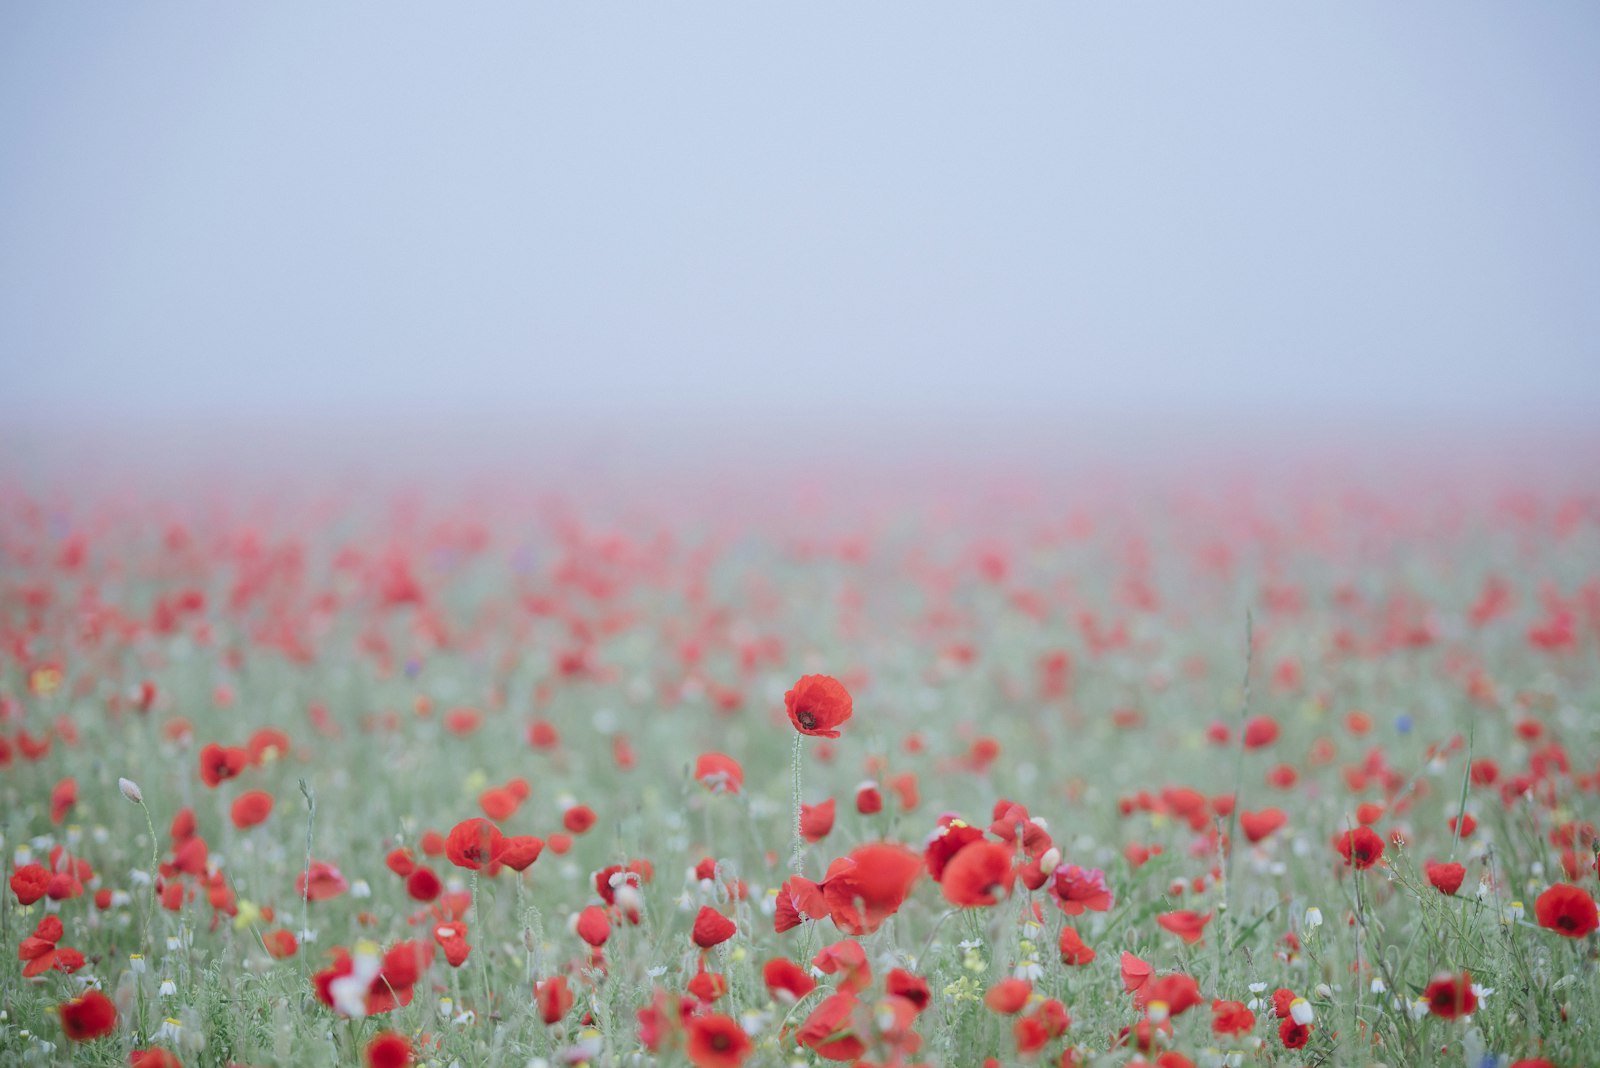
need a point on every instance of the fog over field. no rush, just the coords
(867, 222)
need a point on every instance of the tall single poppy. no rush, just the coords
(818, 705)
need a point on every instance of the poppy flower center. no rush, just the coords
(807, 719)
(720, 1042)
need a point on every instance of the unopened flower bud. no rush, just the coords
(131, 791)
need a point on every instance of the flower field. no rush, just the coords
(1299, 774)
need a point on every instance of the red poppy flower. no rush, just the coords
(423, 884)
(817, 705)
(816, 821)
(869, 800)
(1136, 975)
(473, 844)
(553, 998)
(913, 988)
(1073, 951)
(1049, 1020)
(1567, 910)
(1076, 889)
(1449, 996)
(867, 887)
(594, 926)
(1294, 1035)
(1362, 847)
(786, 981)
(719, 773)
(830, 1030)
(1178, 992)
(979, 875)
(517, 852)
(1231, 1018)
(89, 1017)
(39, 948)
(389, 1050)
(716, 1041)
(452, 938)
(578, 818)
(321, 882)
(712, 928)
(280, 943)
(1260, 732)
(798, 900)
(1189, 926)
(29, 883)
(219, 763)
(498, 803)
(1259, 825)
(848, 961)
(62, 799)
(153, 1057)
(389, 988)
(266, 744)
(1008, 996)
(950, 838)
(251, 808)
(1446, 878)
(708, 986)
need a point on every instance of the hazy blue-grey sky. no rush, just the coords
(575, 210)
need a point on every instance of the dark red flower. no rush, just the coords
(219, 763)
(716, 1041)
(1567, 910)
(473, 844)
(913, 988)
(1449, 996)
(1294, 1035)
(712, 928)
(1362, 847)
(389, 1050)
(29, 883)
(1076, 889)
(89, 1017)
(1446, 878)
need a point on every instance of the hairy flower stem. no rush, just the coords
(797, 846)
(155, 866)
(305, 892)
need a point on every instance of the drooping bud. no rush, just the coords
(131, 791)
